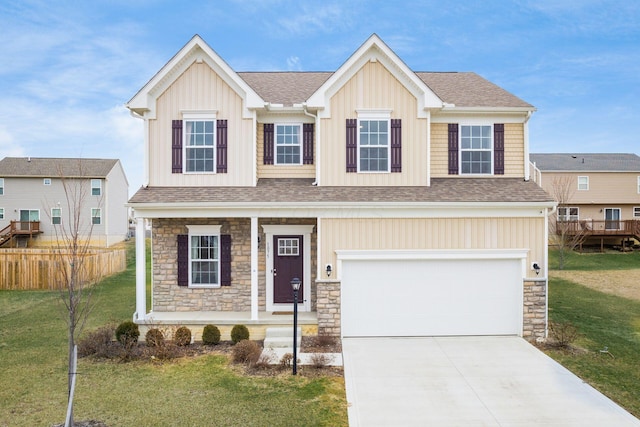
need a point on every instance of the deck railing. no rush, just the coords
(590, 227)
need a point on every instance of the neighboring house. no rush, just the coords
(33, 202)
(401, 199)
(598, 194)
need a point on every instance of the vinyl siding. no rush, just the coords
(373, 87)
(200, 88)
(610, 188)
(513, 150)
(432, 233)
(281, 171)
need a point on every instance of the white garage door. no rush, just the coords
(431, 297)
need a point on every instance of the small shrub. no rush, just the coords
(247, 352)
(321, 360)
(182, 336)
(166, 351)
(563, 333)
(97, 343)
(265, 360)
(286, 360)
(127, 333)
(239, 333)
(210, 335)
(154, 338)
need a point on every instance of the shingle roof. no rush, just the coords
(460, 89)
(53, 167)
(446, 190)
(592, 162)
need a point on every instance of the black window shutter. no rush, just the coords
(267, 156)
(352, 145)
(183, 260)
(396, 145)
(221, 146)
(307, 144)
(453, 149)
(176, 146)
(498, 149)
(225, 260)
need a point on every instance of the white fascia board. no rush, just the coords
(431, 254)
(374, 49)
(478, 115)
(342, 210)
(196, 50)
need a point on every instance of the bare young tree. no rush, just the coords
(567, 233)
(73, 231)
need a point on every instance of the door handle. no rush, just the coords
(275, 272)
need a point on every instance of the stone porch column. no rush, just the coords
(141, 272)
(254, 268)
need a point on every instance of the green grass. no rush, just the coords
(596, 261)
(602, 320)
(193, 392)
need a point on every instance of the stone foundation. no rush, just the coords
(328, 310)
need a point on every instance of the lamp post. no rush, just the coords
(295, 285)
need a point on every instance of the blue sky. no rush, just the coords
(68, 67)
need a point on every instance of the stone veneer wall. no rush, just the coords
(168, 296)
(328, 308)
(535, 310)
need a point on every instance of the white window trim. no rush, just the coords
(58, 216)
(1, 186)
(96, 216)
(375, 115)
(491, 150)
(636, 211)
(639, 185)
(46, 181)
(568, 215)
(1, 213)
(586, 177)
(619, 220)
(275, 143)
(199, 116)
(204, 230)
(99, 186)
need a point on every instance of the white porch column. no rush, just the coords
(141, 272)
(254, 268)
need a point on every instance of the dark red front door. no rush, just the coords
(287, 264)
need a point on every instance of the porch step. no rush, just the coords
(281, 337)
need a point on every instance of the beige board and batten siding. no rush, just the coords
(513, 150)
(616, 188)
(373, 87)
(432, 234)
(199, 88)
(283, 171)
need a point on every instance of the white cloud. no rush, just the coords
(293, 63)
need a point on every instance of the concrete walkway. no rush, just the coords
(467, 381)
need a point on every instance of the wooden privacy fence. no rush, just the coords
(31, 269)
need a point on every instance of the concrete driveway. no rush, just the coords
(467, 381)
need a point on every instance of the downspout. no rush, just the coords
(526, 145)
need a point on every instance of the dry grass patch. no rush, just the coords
(623, 283)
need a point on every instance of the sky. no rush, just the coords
(67, 68)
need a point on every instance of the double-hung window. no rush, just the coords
(1, 186)
(636, 211)
(204, 255)
(583, 183)
(288, 144)
(1, 213)
(199, 143)
(96, 216)
(476, 149)
(374, 141)
(96, 187)
(56, 216)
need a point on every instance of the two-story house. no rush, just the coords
(40, 198)
(401, 199)
(598, 194)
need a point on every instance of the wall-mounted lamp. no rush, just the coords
(535, 266)
(328, 270)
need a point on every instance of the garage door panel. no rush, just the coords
(431, 297)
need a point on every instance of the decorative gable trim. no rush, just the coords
(375, 50)
(195, 51)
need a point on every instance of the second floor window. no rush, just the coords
(475, 150)
(288, 144)
(199, 146)
(1, 186)
(56, 216)
(96, 187)
(373, 146)
(583, 183)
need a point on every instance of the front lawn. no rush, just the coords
(604, 321)
(198, 391)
